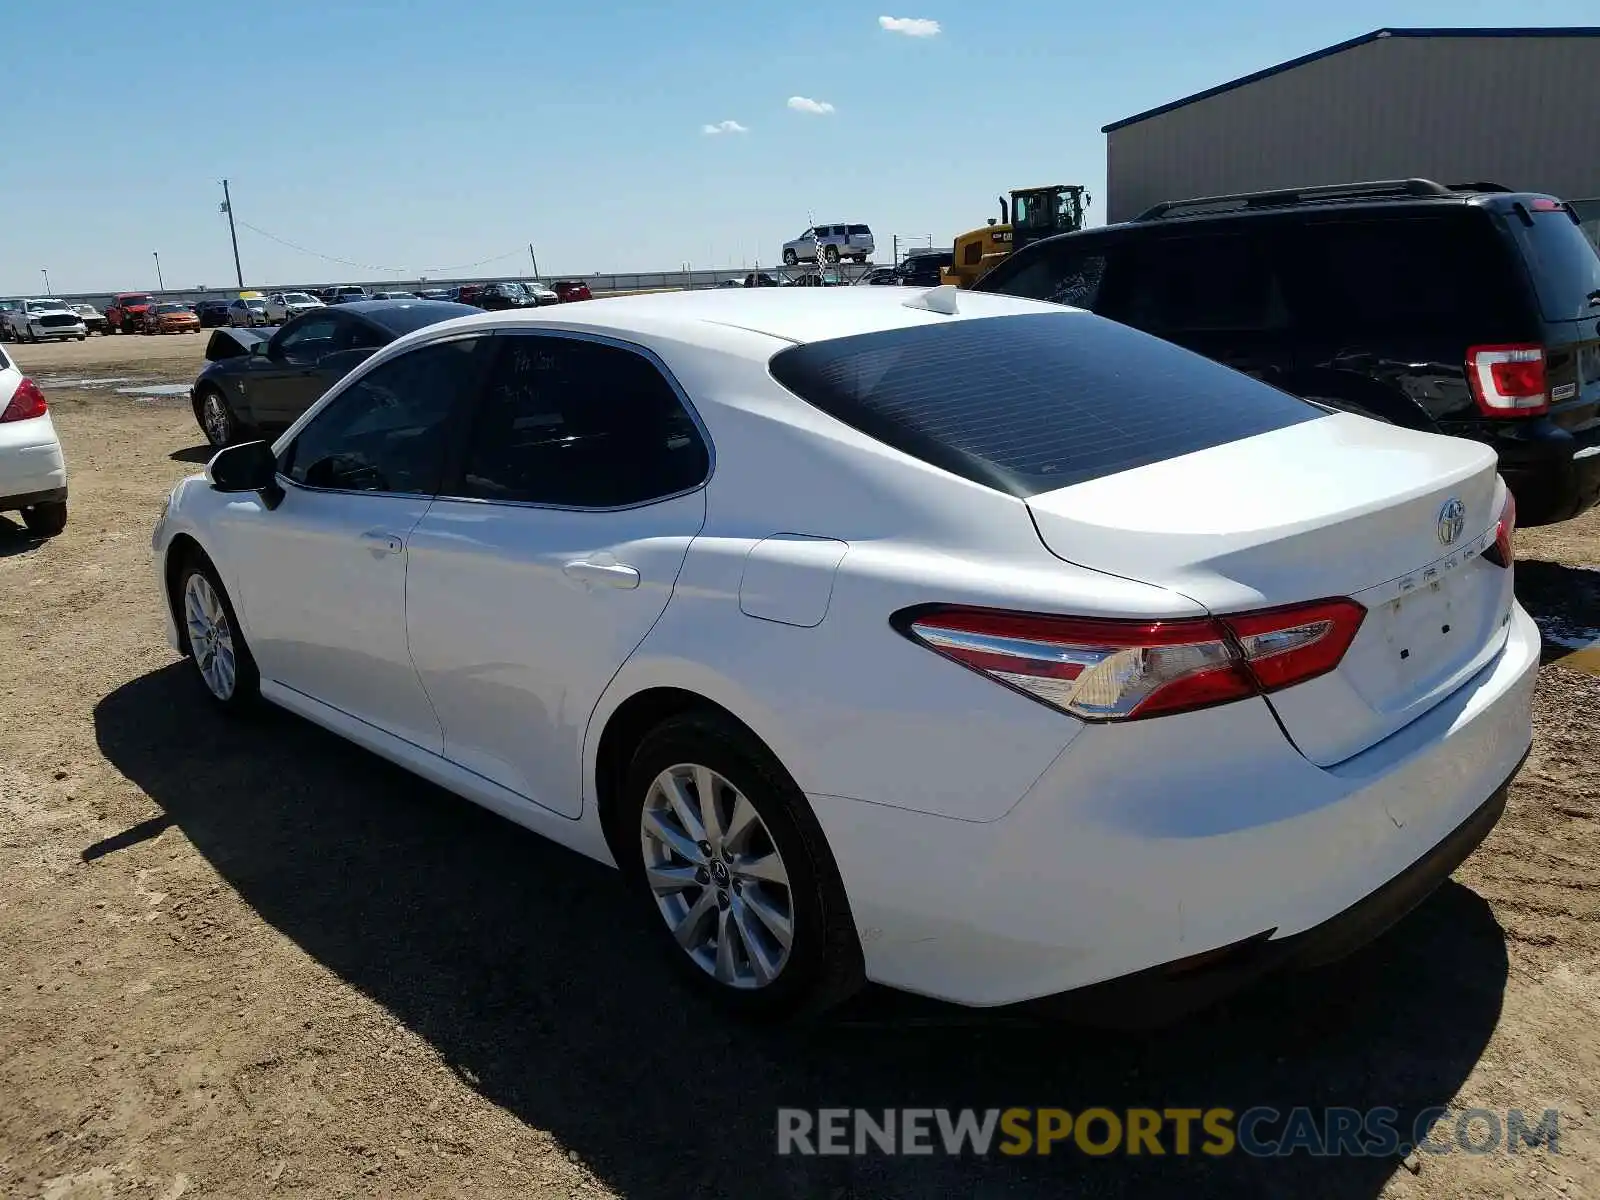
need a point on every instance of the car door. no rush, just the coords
(321, 579)
(551, 552)
(293, 376)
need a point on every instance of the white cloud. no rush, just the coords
(806, 104)
(910, 26)
(724, 127)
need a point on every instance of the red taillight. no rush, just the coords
(1544, 205)
(26, 402)
(1503, 552)
(1114, 670)
(1508, 381)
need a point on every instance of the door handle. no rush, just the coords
(617, 575)
(382, 543)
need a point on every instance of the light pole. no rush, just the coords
(161, 285)
(46, 275)
(227, 207)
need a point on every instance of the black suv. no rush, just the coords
(1469, 310)
(496, 297)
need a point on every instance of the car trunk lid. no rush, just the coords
(1342, 506)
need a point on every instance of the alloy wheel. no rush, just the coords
(717, 876)
(210, 635)
(215, 419)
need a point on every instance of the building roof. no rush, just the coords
(1375, 35)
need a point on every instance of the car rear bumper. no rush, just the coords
(32, 469)
(1145, 845)
(1554, 474)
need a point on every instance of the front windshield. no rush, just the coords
(132, 300)
(171, 308)
(296, 298)
(43, 306)
(259, 305)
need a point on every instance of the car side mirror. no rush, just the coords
(247, 467)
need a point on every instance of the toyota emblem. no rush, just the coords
(1452, 520)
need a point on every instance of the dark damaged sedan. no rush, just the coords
(254, 382)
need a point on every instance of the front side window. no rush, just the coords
(386, 432)
(310, 339)
(579, 424)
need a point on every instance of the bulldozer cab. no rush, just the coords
(1038, 213)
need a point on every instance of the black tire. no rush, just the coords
(220, 424)
(46, 520)
(246, 690)
(790, 258)
(824, 966)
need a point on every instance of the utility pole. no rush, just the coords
(535, 259)
(227, 207)
(161, 285)
(46, 275)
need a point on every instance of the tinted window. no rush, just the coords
(310, 338)
(1562, 261)
(403, 318)
(1028, 404)
(1065, 272)
(361, 336)
(386, 431)
(576, 423)
(1437, 274)
(1174, 286)
(859, 229)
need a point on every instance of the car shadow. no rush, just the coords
(200, 455)
(15, 538)
(527, 968)
(1565, 603)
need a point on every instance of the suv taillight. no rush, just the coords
(1114, 670)
(1503, 552)
(1508, 381)
(27, 402)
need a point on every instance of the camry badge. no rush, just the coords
(1452, 520)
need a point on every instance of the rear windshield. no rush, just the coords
(1562, 261)
(1028, 404)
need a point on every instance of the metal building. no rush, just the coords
(1520, 107)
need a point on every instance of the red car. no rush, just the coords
(571, 289)
(128, 311)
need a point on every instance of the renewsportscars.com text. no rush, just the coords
(1260, 1132)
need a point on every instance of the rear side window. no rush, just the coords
(1069, 271)
(1443, 274)
(859, 229)
(1561, 261)
(579, 424)
(1029, 404)
(1224, 283)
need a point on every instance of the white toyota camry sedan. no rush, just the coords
(983, 648)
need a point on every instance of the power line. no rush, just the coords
(406, 271)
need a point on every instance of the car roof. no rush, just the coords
(402, 316)
(792, 315)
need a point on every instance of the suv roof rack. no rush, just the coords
(1290, 196)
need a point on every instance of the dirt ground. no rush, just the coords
(252, 960)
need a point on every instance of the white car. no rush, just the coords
(976, 646)
(835, 242)
(33, 473)
(281, 306)
(41, 320)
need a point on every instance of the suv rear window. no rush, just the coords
(1031, 403)
(1562, 262)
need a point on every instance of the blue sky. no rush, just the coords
(422, 135)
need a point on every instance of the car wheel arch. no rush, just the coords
(182, 549)
(627, 725)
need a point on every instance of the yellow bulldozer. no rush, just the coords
(1033, 213)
